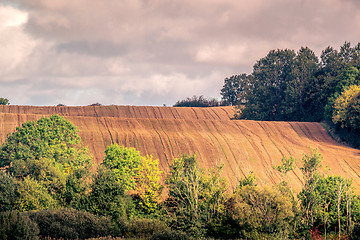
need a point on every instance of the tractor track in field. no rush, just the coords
(241, 146)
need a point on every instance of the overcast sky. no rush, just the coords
(153, 52)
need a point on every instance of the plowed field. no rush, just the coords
(168, 132)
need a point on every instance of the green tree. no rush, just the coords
(4, 101)
(336, 205)
(308, 196)
(8, 191)
(148, 183)
(135, 172)
(196, 198)
(267, 93)
(347, 78)
(33, 196)
(49, 151)
(260, 213)
(14, 225)
(198, 101)
(235, 89)
(124, 162)
(301, 88)
(346, 108)
(286, 166)
(353, 113)
(107, 196)
(249, 180)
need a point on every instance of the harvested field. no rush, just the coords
(167, 132)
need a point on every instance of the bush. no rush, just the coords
(8, 191)
(13, 225)
(4, 101)
(95, 104)
(70, 224)
(144, 228)
(199, 102)
(169, 235)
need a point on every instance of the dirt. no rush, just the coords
(241, 146)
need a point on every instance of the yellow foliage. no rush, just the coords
(341, 104)
(148, 182)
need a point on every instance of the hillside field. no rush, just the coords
(241, 146)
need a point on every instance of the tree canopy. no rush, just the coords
(4, 101)
(294, 86)
(298, 86)
(46, 156)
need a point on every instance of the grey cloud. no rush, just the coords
(99, 49)
(154, 52)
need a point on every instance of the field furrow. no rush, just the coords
(165, 132)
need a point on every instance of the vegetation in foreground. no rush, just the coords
(47, 192)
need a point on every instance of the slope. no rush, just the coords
(166, 132)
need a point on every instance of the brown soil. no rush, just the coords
(166, 132)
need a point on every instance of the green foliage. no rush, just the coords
(169, 234)
(259, 213)
(33, 195)
(347, 108)
(266, 97)
(48, 153)
(124, 162)
(15, 226)
(301, 90)
(289, 86)
(328, 203)
(144, 228)
(234, 89)
(4, 101)
(136, 172)
(286, 166)
(308, 197)
(345, 79)
(200, 101)
(196, 198)
(247, 181)
(70, 224)
(335, 204)
(311, 163)
(148, 183)
(353, 113)
(107, 197)
(8, 191)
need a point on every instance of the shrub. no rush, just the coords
(144, 228)
(4, 101)
(8, 190)
(169, 235)
(13, 225)
(200, 101)
(70, 223)
(95, 104)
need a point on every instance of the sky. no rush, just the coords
(153, 52)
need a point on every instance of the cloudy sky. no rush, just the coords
(153, 52)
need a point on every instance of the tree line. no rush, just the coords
(298, 86)
(47, 189)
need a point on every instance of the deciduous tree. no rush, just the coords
(4, 101)
(49, 154)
